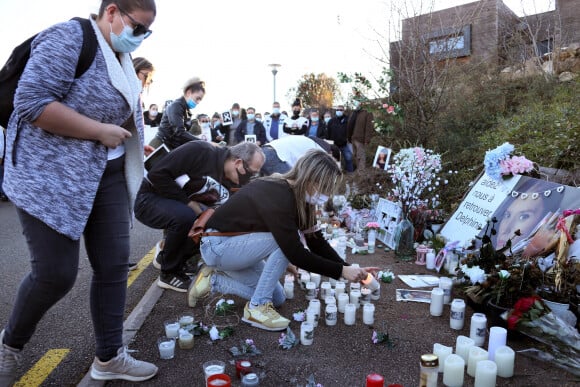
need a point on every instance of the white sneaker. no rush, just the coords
(123, 366)
(9, 362)
(156, 260)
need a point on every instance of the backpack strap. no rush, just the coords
(89, 49)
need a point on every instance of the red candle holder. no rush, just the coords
(243, 367)
(422, 251)
(375, 380)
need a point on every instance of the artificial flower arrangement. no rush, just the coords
(533, 318)
(382, 337)
(500, 163)
(299, 315)
(372, 226)
(223, 307)
(386, 276)
(288, 340)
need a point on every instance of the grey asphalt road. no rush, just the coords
(67, 326)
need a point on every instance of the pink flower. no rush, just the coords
(385, 106)
(391, 110)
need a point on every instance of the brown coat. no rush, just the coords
(364, 127)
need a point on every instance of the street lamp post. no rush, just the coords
(274, 67)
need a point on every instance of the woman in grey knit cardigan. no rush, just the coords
(74, 163)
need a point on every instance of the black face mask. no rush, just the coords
(296, 113)
(244, 179)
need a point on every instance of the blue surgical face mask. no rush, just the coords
(275, 110)
(316, 199)
(236, 112)
(339, 113)
(251, 116)
(125, 42)
(315, 119)
(326, 119)
(191, 103)
(205, 126)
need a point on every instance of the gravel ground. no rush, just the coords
(340, 355)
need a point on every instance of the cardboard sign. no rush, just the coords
(227, 118)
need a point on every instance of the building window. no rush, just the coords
(450, 43)
(545, 47)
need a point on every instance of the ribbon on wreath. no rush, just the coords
(561, 225)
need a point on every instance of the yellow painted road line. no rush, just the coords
(143, 263)
(40, 371)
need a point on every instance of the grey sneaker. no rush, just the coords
(9, 362)
(123, 366)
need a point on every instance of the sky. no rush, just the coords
(230, 43)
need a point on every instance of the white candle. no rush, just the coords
(369, 314)
(354, 286)
(457, 315)
(304, 279)
(306, 333)
(316, 278)
(371, 282)
(365, 296)
(339, 288)
(342, 301)
(436, 306)
(478, 328)
(497, 338)
(462, 345)
(310, 290)
(311, 316)
(332, 282)
(185, 320)
(376, 294)
(166, 347)
(504, 359)
(325, 289)
(476, 355)
(442, 351)
(349, 314)
(485, 374)
(453, 371)
(355, 297)
(430, 257)
(172, 329)
(331, 314)
(316, 306)
(330, 300)
(289, 290)
(446, 284)
(185, 340)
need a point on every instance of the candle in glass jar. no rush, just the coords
(316, 278)
(430, 258)
(375, 380)
(457, 315)
(242, 367)
(304, 279)
(369, 314)
(453, 371)
(310, 290)
(365, 296)
(442, 351)
(476, 355)
(172, 329)
(497, 338)
(331, 314)
(185, 321)
(436, 305)
(306, 333)
(166, 346)
(485, 374)
(342, 301)
(325, 289)
(339, 288)
(185, 339)
(349, 314)
(504, 359)
(462, 345)
(371, 282)
(289, 290)
(316, 307)
(478, 328)
(355, 297)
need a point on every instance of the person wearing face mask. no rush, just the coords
(316, 128)
(237, 114)
(177, 118)
(251, 126)
(337, 131)
(276, 215)
(361, 129)
(73, 167)
(152, 116)
(193, 177)
(216, 129)
(205, 127)
(296, 125)
(274, 123)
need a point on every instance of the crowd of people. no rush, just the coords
(75, 168)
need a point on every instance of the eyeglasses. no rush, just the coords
(138, 28)
(248, 170)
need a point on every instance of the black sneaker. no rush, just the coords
(174, 281)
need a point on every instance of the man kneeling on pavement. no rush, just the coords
(189, 179)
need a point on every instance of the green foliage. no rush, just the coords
(317, 90)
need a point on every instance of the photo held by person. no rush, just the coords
(251, 264)
(195, 176)
(73, 167)
(296, 124)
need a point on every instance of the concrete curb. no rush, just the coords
(131, 326)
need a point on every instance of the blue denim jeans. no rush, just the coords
(249, 266)
(55, 260)
(347, 154)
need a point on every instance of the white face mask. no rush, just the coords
(316, 199)
(153, 113)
